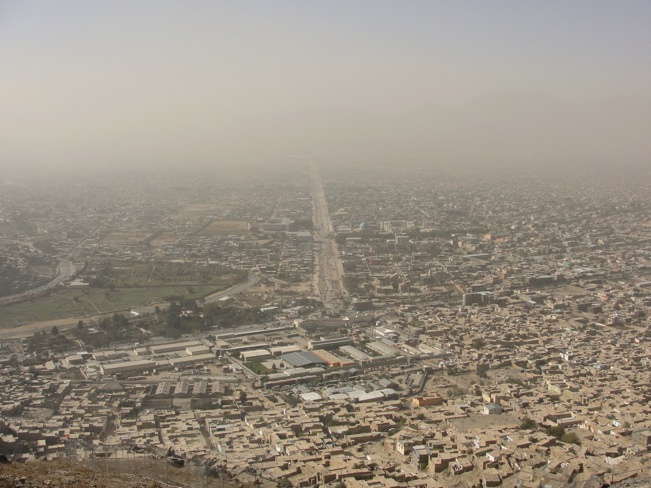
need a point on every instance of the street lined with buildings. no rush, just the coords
(488, 333)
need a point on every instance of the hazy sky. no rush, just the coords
(130, 83)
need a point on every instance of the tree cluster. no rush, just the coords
(232, 316)
(111, 329)
(42, 342)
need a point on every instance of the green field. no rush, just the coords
(139, 274)
(66, 303)
(224, 227)
(257, 367)
(126, 238)
(199, 210)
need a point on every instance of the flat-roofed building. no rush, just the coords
(331, 359)
(200, 388)
(401, 240)
(383, 348)
(492, 409)
(642, 438)
(355, 353)
(183, 361)
(276, 224)
(74, 360)
(182, 388)
(127, 367)
(255, 355)
(322, 325)
(301, 359)
(173, 346)
(426, 401)
(163, 389)
(328, 343)
(363, 396)
(280, 350)
(311, 396)
(197, 350)
(235, 350)
(103, 356)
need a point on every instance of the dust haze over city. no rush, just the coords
(345, 244)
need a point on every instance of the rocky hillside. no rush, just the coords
(64, 474)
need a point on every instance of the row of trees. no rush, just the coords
(187, 317)
(42, 342)
(116, 328)
(181, 317)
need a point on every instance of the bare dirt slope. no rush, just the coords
(64, 474)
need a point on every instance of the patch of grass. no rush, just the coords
(223, 227)
(69, 302)
(126, 238)
(257, 367)
(159, 273)
(199, 210)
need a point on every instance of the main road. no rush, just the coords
(65, 270)
(252, 280)
(27, 330)
(328, 272)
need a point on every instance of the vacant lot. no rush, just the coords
(65, 303)
(483, 422)
(223, 227)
